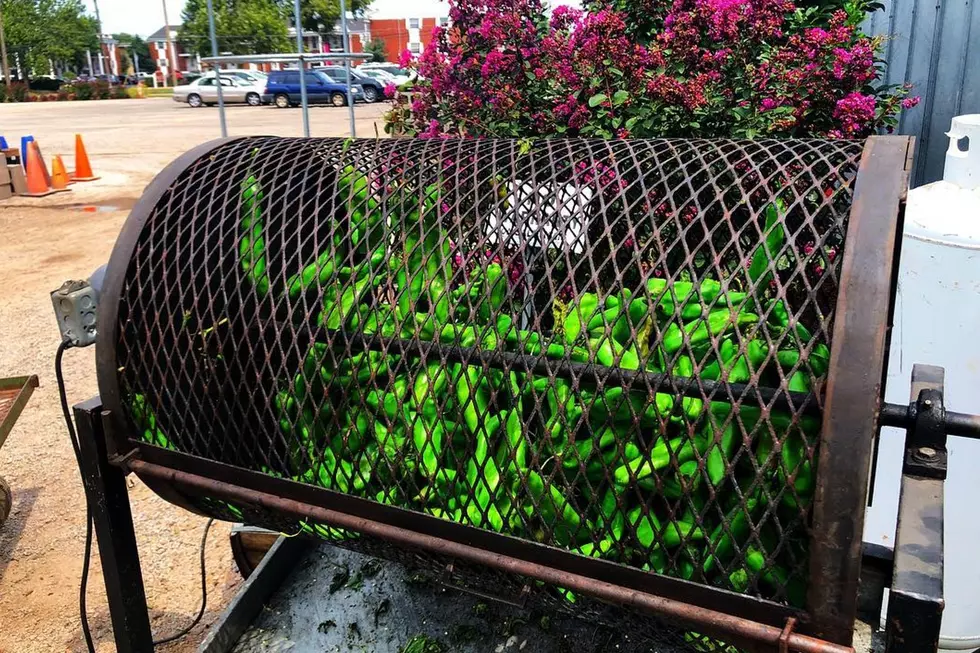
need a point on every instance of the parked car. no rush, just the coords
(166, 79)
(253, 76)
(382, 76)
(401, 75)
(283, 89)
(204, 91)
(111, 80)
(374, 90)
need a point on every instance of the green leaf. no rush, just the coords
(620, 96)
(597, 99)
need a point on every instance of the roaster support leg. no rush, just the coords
(915, 604)
(105, 487)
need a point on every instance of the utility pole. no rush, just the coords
(217, 70)
(172, 53)
(98, 26)
(3, 49)
(304, 100)
(350, 88)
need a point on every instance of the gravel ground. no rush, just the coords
(42, 243)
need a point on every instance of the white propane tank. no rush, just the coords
(937, 316)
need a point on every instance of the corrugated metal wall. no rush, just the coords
(935, 45)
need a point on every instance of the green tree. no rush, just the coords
(242, 27)
(135, 45)
(322, 15)
(125, 62)
(42, 32)
(376, 48)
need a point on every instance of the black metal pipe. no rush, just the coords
(901, 416)
(592, 374)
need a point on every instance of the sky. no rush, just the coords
(144, 17)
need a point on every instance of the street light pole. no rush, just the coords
(350, 88)
(217, 71)
(3, 49)
(98, 25)
(298, 19)
(171, 52)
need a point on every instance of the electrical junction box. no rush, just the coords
(75, 304)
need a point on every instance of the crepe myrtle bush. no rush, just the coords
(651, 68)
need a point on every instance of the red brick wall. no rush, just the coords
(181, 61)
(107, 59)
(394, 33)
(428, 24)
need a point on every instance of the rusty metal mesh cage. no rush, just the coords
(614, 348)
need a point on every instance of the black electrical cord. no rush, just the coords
(204, 592)
(83, 587)
(59, 375)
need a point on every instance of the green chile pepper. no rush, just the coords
(251, 249)
(658, 459)
(553, 508)
(579, 313)
(472, 397)
(719, 453)
(427, 435)
(649, 530)
(321, 271)
(686, 481)
(723, 542)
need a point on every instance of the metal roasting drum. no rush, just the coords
(634, 381)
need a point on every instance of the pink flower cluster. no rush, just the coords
(646, 68)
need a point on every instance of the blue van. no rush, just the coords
(282, 89)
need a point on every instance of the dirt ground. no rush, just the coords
(43, 242)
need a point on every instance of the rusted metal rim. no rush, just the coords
(855, 385)
(713, 622)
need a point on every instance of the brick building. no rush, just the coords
(178, 58)
(400, 34)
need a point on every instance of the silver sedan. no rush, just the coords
(204, 91)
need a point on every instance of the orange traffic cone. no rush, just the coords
(37, 184)
(44, 164)
(59, 175)
(83, 169)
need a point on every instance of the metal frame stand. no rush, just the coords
(108, 499)
(915, 603)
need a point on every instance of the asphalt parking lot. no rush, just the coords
(43, 242)
(137, 138)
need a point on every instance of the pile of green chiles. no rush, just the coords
(663, 482)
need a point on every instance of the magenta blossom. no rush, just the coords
(505, 68)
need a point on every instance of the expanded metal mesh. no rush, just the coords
(611, 347)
